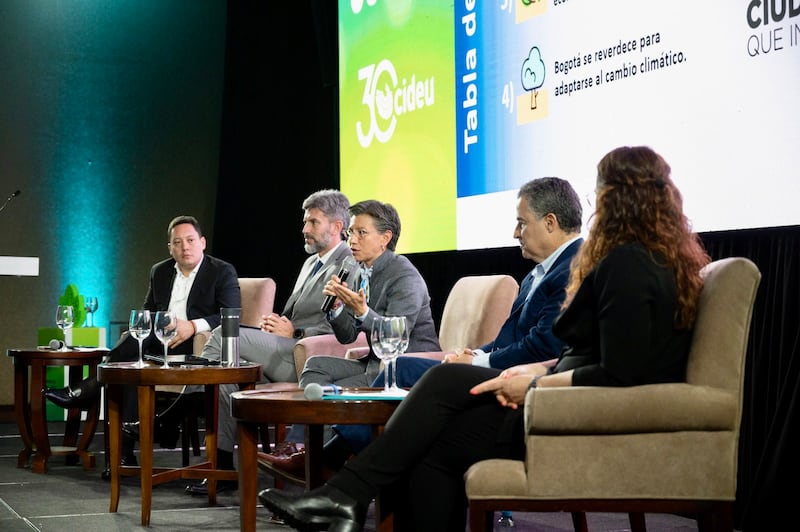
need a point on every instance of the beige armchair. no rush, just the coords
(258, 298)
(476, 308)
(661, 448)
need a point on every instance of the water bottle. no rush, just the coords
(230, 336)
(506, 520)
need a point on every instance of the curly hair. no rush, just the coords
(637, 202)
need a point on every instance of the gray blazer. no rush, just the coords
(396, 289)
(303, 306)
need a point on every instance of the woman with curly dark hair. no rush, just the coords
(627, 320)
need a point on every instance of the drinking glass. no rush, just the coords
(400, 321)
(396, 338)
(378, 324)
(65, 317)
(139, 326)
(166, 327)
(90, 304)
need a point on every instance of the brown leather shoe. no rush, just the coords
(293, 464)
(285, 448)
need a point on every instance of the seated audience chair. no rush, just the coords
(660, 448)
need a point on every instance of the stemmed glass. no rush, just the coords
(139, 326)
(379, 348)
(401, 323)
(166, 327)
(90, 304)
(395, 341)
(65, 317)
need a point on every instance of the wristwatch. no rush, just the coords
(299, 333)
(534, 382)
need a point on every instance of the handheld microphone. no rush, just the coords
(56, 345)
(314, 391)
(11, 197)
(348, 265)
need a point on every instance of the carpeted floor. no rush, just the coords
(68, 498)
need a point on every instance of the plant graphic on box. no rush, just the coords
(72, 297)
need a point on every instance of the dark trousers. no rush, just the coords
(437, 432)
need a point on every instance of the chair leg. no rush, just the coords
(194, 435)
(579, 522)
(637, 522)
(263, 432)
(185, 441)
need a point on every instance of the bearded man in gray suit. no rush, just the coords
(324, 224)
(325, 220)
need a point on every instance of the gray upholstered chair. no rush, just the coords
(660, 448)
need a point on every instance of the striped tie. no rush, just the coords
(366, 273)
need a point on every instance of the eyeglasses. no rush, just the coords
(188, 242)
(360, 233)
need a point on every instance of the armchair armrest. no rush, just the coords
(322, 344)
(433, 355)
(357, 353)
(669, 407)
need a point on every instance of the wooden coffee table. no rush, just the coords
(116, 375)
(259, 407)
(29, 405)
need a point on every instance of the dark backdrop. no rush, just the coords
(280, 143)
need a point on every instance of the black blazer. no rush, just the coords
(620, 325)
(216, 286)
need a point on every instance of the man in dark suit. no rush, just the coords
(548, 230)
(191, 283)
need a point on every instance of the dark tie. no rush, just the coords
(314, 270)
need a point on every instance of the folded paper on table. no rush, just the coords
(392, 395)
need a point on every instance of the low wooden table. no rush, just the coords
(259, 407)
(116, 375)
(29, 405)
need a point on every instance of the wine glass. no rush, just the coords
(65, 318)
(90, 304)
(395, 340)
(166, 327)
(401, 348)
(139, 326)
(378, 324)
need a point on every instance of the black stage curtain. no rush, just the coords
(771, 419)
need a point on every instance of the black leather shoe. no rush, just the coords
(325, 508)
(83, 396)
(202, 487)
(167, 435)
(65, 398)
(129, 461)
(131, 429)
